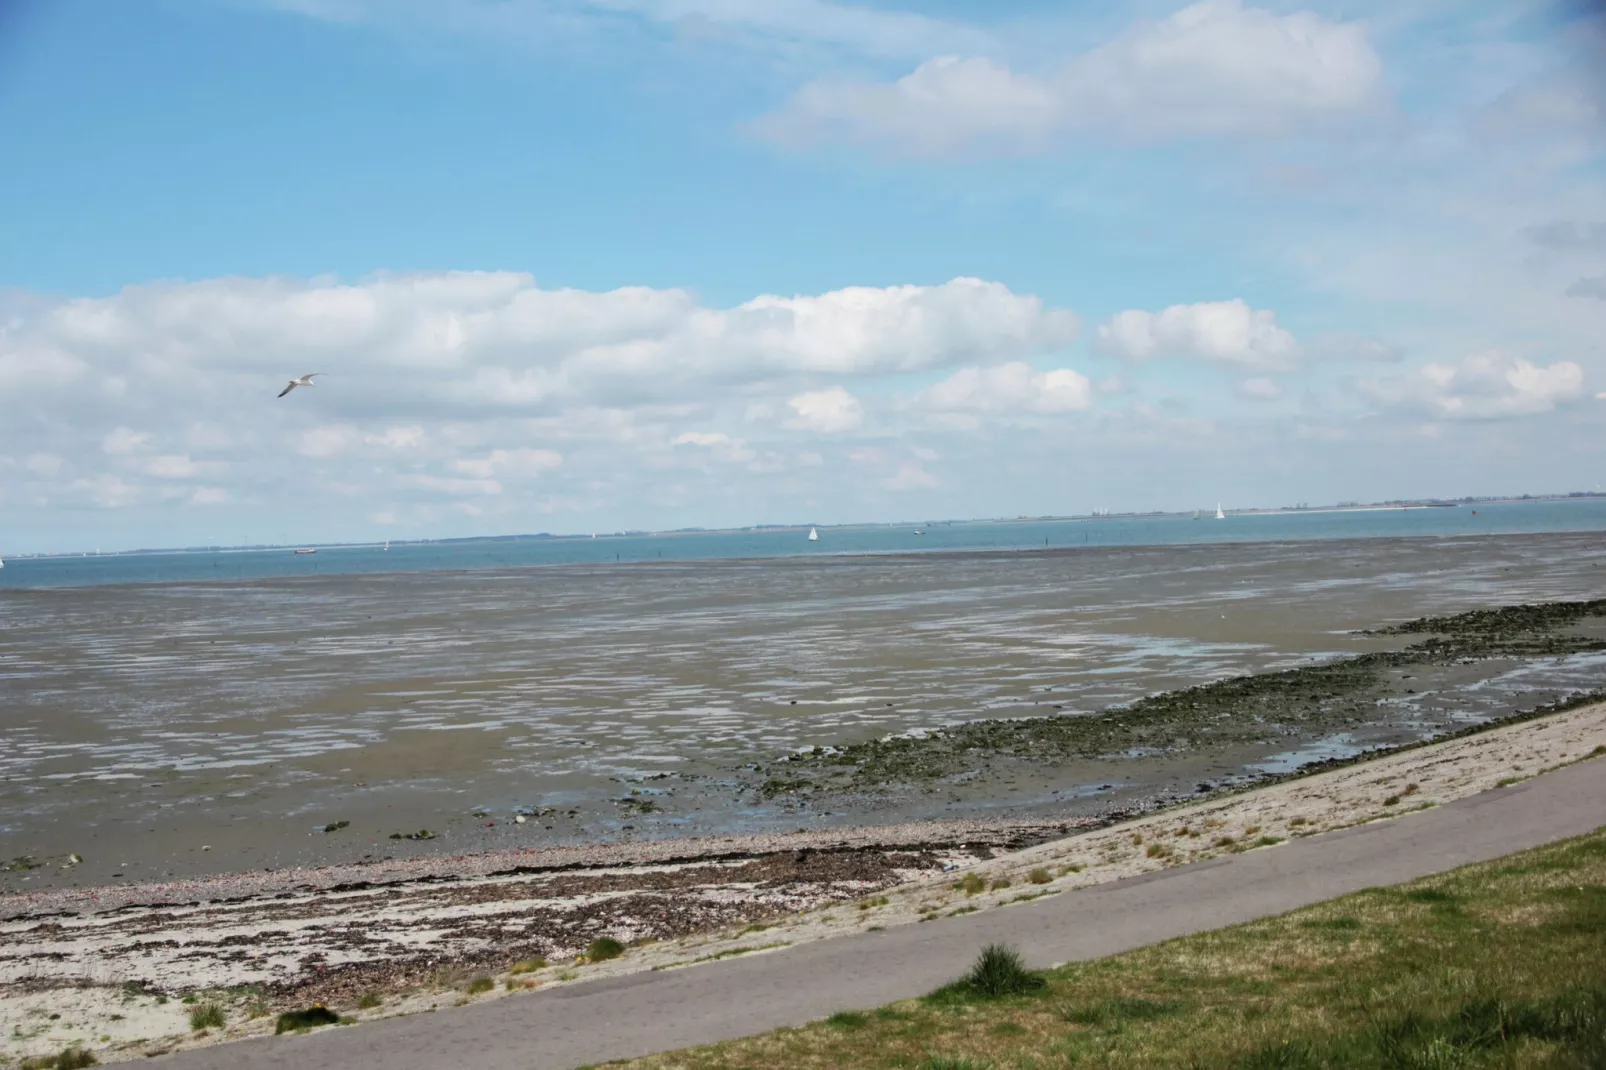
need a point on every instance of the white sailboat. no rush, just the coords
(814, 536)
(1219, 514)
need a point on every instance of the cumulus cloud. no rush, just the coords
(457, 384)
(496, 340)
(1228, 332)
(1212, 68)
(828, 411)
(1010, 388)
(1481, 386)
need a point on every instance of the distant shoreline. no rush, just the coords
(771, 529)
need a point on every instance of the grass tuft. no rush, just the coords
(604, 948)
(368, 1001)
(300, 1021)
(527, 965)
(848, 1020)
(1039, 876)
(998, 972)
(480, 984)
(207, 1015)
(971, 884)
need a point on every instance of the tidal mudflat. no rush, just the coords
(163, 732)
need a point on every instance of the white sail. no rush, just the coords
(1219, 514)
(814, 536)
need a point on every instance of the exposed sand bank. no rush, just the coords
(417, 931)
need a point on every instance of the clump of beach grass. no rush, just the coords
(478, 985)
(208, 1015)
(369, 1000)
(972, 884)
(604, 948)
(527, 966)
(302, 1020)
(997, 972)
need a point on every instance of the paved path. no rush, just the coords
(648, 1012)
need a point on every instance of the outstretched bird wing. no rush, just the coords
(287, 389)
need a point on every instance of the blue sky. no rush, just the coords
(592, 264)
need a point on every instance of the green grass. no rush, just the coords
(207, 1015)
(478, 985)
(1500, 965)
(527, 965)
(369, 1000)
(997, 972)
(604, 948)
(298, 1021)
(971, 884)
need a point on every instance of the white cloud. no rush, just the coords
(827, 411)
(514, 463)
(494, 341)
(1212, 68)
(1010, 388)
(1228, 332)
(1260, 389)
(1482, 386)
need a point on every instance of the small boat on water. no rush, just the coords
(814, 536)
(919, 532)
(1219, 514)
(306, 551)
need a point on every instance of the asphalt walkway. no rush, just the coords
(647, 1012)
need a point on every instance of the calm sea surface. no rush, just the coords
(1483, 519)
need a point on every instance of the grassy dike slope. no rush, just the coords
(1501, 964)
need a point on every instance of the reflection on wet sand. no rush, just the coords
(143, 724)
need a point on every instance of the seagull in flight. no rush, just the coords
(305, 380)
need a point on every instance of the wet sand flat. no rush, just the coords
(180, 730)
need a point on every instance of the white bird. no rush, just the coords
(305, 380)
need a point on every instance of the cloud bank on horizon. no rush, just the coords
(1256, 253)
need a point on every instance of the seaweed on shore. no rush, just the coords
(1244, 709)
